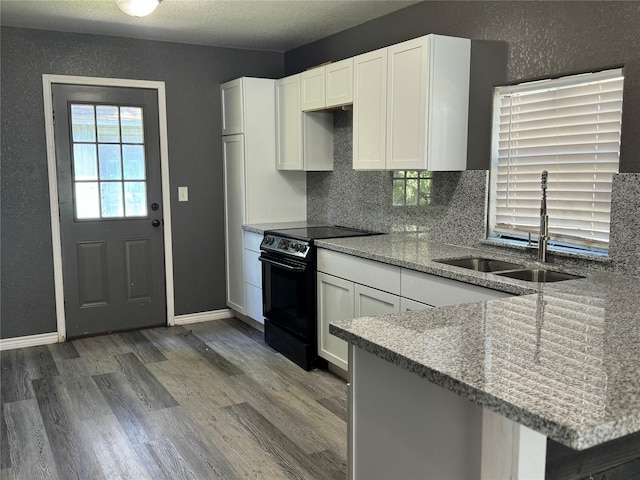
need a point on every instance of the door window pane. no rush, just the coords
(83, 125)
(133, 160)
(85, 166)
(108, 121)
(109, 161)
(111, 196)
(131, 120)
(135, 199)
(110, 165)
(87, 201)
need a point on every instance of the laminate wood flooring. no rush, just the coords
(203, 401)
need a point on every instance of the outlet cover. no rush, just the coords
(183, 194)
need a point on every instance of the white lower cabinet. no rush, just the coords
(340, 299)
(352, 287)
(335, 302)
(252, 276)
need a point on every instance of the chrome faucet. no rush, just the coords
(543, 239)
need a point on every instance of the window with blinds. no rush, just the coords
(570, 127)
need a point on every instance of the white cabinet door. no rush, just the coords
(234, 193)
(253, 297)
(339, 83)
(312, 89)
(370, 302)
(232, 108)
(407, 104)
(253, 276)
(411, 105)
(335, 302)
(252, 268)
(288, 124)
(370, 110)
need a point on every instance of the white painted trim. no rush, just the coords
(203, 316)
(28, 341)
(47, 81)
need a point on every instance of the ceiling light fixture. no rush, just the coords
(137, 8)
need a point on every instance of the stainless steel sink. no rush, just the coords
(538, 275)
(480, 264)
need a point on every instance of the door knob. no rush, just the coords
(155, 206)
(155, 222)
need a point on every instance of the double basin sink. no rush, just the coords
(508, 269)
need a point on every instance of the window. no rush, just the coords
(109, 169)
(570, 127)
(411, 187)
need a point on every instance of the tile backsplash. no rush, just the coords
(363, 199)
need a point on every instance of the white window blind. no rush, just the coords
(571, 128)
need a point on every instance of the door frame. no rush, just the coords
(47, 81)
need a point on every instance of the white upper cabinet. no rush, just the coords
(370, 110)
(411, 105)
(288, 124)
(304, 140)
(232, 107)
(327, 86)
(312, 89)
(339, 83)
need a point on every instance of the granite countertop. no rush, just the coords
(562, 358)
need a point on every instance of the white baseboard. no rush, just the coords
(203, 316)
(47, 338)
(28, 341)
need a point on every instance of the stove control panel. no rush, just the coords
(287, 246)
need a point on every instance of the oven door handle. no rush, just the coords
(291, 268)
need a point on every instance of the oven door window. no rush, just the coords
(289, 299)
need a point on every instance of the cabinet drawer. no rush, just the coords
(252, 268)
(408, 305)
(439, 291)
(253, 307)
(252, 241)
(367, 272)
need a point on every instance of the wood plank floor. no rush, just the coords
(205, 401)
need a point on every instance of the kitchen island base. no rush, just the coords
(404, 427)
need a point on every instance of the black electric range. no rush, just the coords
(288, 259)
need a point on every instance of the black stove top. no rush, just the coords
(320, 232)
(298, 242)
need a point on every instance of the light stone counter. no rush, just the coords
(562, 359)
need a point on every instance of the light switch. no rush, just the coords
(183, 194)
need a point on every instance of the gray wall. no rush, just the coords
(535, 39)
(192, 75)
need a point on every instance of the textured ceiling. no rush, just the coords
(263, 24)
